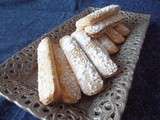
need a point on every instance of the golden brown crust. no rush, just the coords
(70, 90)
(106, 43)
(116, 37)
(122, 29)
(57, 84)
(98, 35)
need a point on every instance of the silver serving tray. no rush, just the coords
(18, 77)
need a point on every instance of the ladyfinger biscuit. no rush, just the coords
(122, 29)
(114, 35)
(99, 57)
(48, 84)
(96, 16)
(98, 35)
(99, 26)
(88, 78)
(106, 43)
(70, 89)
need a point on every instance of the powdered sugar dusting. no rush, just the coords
(66, 76)
(89, 79)
(97, 15)
(99, 57)
(93, 29)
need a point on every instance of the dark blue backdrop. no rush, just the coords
(22, 21)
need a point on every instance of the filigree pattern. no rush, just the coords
(18, 77)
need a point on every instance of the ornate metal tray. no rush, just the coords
(18, 77)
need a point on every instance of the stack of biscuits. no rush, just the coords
(80, 61)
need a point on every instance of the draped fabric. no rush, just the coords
(22, 21)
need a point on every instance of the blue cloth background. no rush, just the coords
(22, 21)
